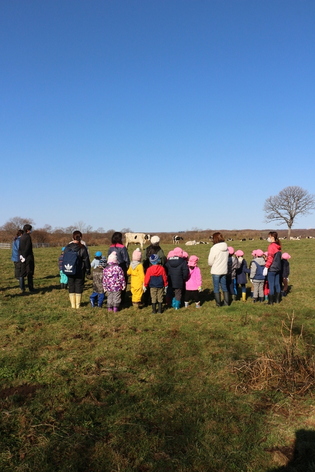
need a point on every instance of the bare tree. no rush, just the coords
(287, 205)
(16, 223)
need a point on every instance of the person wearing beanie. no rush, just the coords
(241, 273)
(256, 275)
(156, 280)
(122, 256)
(98, 295)
(193, 283)
(136, 274)
(63, 277)
(177, 271)
(96, 260)
(153, 248)
(218, 261)
(285, 272)
(114, 282)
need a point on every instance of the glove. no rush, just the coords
(22, 259)
(199, 289)
(144, 288)
(265, 271)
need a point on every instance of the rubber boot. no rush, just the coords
(72, 299)
(255, 300)
(244, 296)
(270, 299)
(261, 299)
(160, 309)
(217, 298)
(177, 304)
(198, 305)
(78, 297)
(22, 284)
(226, 298)
(154, 308)
(277, 297)
(186, 304)
(116, 309)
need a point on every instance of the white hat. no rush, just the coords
(155, 240)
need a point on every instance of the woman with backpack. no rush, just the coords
(273, 268)
(76, 263)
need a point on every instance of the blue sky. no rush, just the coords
(155, 115)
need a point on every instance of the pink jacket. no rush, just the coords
(194, 280)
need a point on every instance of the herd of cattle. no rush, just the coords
(143, 238)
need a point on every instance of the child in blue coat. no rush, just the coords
(241, 273)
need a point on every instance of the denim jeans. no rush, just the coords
(274, 282)
(219, 280)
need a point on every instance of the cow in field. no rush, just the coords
(136, 238)
(176, 239)
(190, 243)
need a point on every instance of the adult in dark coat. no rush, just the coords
(26, 255)
(76, 282)
(16, 256)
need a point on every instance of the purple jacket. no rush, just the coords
(113, 278)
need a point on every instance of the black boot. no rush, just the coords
(226, 296)
(160, 310)
(278, 298)
(255, 300)
(153, 307)
(270, 299)
(217, 298)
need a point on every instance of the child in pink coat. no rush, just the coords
(194, 282)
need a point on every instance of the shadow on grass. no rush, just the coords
(302, 456)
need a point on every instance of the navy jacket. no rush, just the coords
(177, 271)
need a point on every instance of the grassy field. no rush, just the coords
(214, 389)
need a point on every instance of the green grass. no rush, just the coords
(90, 391)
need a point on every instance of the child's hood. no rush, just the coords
(260, 260)
(175, 261)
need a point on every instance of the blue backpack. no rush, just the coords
(71, 262)
(259, 272)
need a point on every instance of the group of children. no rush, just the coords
(238, 271)
(179, 279)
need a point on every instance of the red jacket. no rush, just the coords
(155, 276)
(272, 249)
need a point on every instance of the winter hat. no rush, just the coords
(178, 252)
(285, 255)
(192, 262)
(231, 250)
(103, 262)
(259, 253)
(136, 255)
(154, 259)
(254, 253)
(155, 240)
(98, 254)
(185, 255)
(239, 253)
(266, 253)
(112, 258)
(170, 254)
